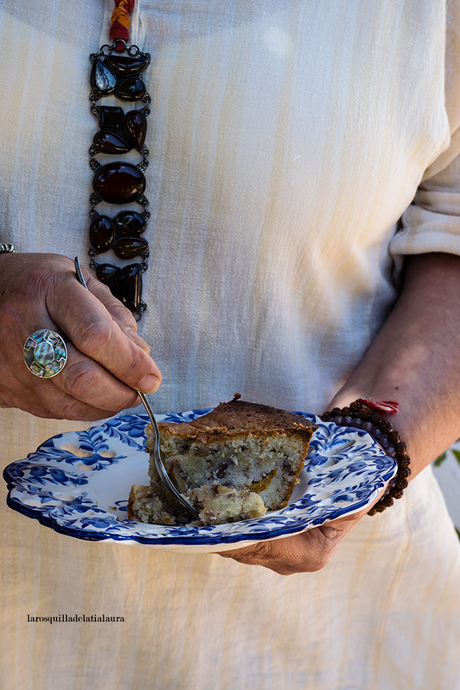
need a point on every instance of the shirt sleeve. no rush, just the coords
(432, 222)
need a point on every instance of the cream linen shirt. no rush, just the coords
(287, 139)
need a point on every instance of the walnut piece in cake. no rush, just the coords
(233, 463)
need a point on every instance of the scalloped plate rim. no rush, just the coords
(204, 540)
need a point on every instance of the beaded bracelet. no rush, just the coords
(360, 416)
(7, 248)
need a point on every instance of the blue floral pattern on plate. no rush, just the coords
(78, 484)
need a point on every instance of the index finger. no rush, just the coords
(93, 330)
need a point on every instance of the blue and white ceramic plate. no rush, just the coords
(78, 484)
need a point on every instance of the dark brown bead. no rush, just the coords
(107, 273)
(401, 483)
(397, 493)
(404, 462)
(127, 66)
(385, 425)
(401, 447)
(136, 128)
(130, 247)
(110, 117)
(129, 286)
(119, 183)
(132, 89)
(129, 223)
(101, 234)
(109, 142)
(404, 472)
(375, 418)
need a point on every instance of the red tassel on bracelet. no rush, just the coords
(387, 406)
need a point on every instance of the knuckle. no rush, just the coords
(41, 281)
(123, 314)
(10, 317)
(14, 331)
(117, 309)
(319, 564)
(81, 380)
(94, 337)
(102, 290)
(73, 410)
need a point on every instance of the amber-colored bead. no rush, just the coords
(132, 89)
(130, 247)
(119, 183)
(127, 66)
(136, 128)
(101, 234)
(129, 286)
(129, 223)
(109, 142)
(107, 273)
(110, 117)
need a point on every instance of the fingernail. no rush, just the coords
(137, 339)
(149, 384)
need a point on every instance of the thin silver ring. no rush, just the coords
(45, 353)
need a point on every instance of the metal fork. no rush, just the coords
(172, 495)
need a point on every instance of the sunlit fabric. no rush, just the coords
(287, 138)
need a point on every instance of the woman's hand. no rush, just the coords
(303, 553)
(106, 357)
(413, 360)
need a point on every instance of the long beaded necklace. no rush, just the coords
(116, 71)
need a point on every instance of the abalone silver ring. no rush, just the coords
(45, 353)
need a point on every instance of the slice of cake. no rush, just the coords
(233, 463)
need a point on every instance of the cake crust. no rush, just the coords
(234, 417)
